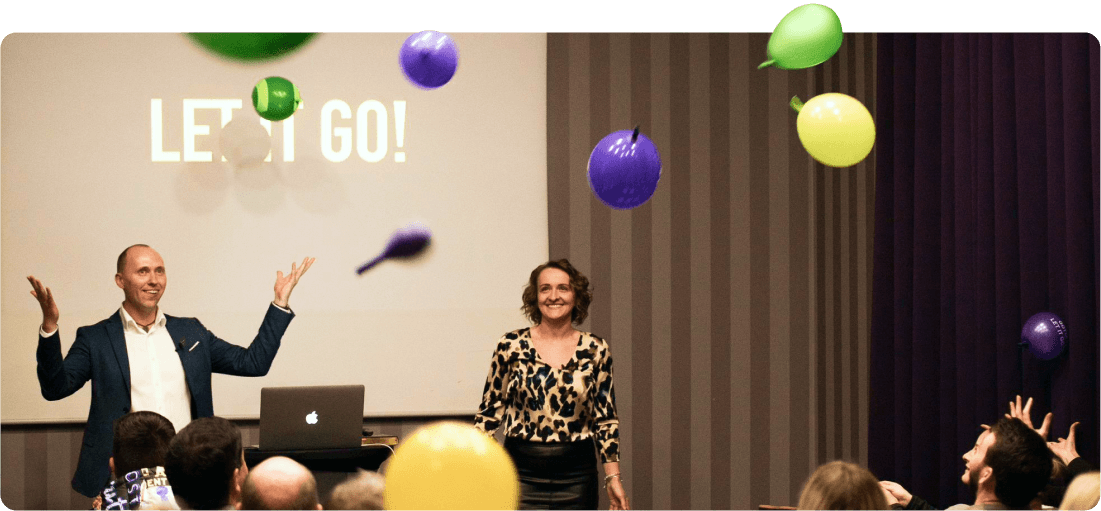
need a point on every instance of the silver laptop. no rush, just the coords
(317, 417)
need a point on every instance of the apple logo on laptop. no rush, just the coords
(311, 418)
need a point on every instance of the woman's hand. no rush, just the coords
(616, 496)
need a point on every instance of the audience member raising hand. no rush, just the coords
(1025, 414)
(1064, 448)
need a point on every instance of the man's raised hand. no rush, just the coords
(285, 284)
(46, 301)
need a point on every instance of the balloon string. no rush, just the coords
(634, 136)
(796, 104)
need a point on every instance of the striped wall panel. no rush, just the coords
(736, 299)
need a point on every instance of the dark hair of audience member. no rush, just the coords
(361, 491)
(1021, 463)
(1052, 494)
(201, 460)
(251, 498)
(842, 485)
(141, 441)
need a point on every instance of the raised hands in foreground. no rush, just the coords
(1025, 414)
(45, 299)
(285, 284)
(1064, 448)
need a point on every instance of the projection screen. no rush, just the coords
(115, 139)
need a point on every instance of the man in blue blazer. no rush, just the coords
(129, 357)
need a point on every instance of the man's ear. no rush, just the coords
(118, 280)
(986, 474)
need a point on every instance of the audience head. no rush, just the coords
(842, 485)
(1013, 460)
(361, 491)
(205, 464)
(141, 441)
(279, 483)
(1052, 494)
(582, 296)
(1084, 492)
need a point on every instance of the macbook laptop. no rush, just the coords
(316, 417)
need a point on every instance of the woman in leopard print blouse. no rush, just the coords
(550, 386)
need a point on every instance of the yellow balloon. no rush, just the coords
(450, 465)
(836, 129)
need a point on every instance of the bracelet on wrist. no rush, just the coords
(608, 479)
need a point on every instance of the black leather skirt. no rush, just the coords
(555, 475)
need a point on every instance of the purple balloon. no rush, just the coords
(404, 243)
(1045, 334)
(429, 59)
(624, 169)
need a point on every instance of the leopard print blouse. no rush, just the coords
(541, 403)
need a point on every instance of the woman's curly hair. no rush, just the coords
(583, 296)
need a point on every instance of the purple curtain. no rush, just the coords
(986, 213)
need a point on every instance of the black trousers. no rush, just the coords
(555, 475)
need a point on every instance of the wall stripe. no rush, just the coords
(680, 361)
(779, 268)
(821, 354)
(577, 129)
(661, 283)
(799, 175)
(699, 244)
(620, 243)
(719, 133)
(642, 296)
(760, 337)
(558, 147)
(735, 299)
(739, 101)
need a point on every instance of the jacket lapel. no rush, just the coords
(118, 345)
(179, 340)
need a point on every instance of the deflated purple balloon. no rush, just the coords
(1045, 334)
(624, 169)
(429, 59)
(404, 243)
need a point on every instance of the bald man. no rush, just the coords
(279, 483)
(143, 359)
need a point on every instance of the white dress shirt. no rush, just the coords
(157, 379)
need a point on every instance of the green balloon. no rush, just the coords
(806, 37)
(251, 47)
(275, 98)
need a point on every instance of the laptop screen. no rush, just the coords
(312, 417)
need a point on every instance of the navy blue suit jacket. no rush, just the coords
(99, 355)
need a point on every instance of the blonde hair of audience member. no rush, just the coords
(842, 485)
(361, 491)
(1083, 492)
